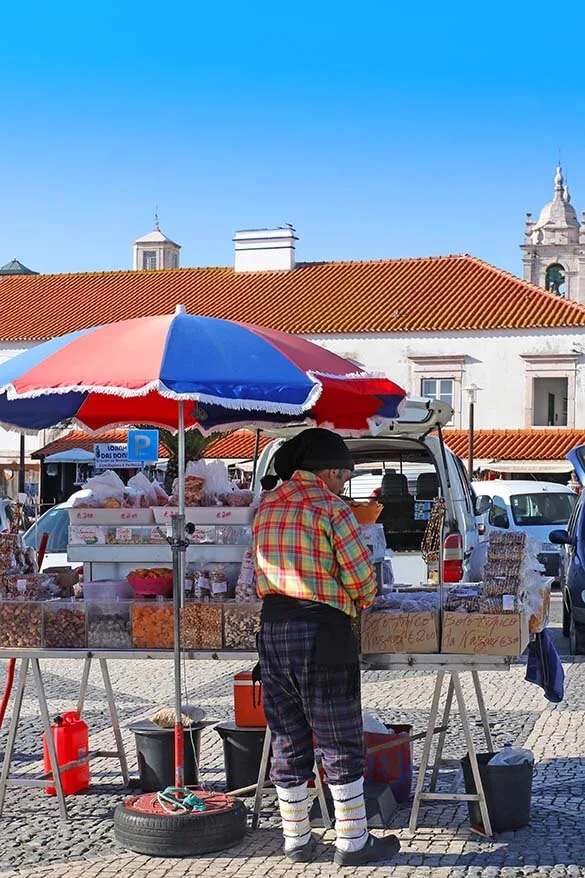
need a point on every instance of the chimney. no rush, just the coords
(265, 249)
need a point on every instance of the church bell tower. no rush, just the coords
(155, 251)
(554, 246)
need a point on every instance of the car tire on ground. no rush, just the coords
(576, 638)
(566, 614)
(179, 835)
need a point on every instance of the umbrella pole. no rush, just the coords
(256, 453)
(179, 547)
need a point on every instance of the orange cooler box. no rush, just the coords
(248, 701)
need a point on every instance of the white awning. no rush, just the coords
(526, 466)
(71, 455)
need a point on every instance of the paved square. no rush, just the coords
(33, 842)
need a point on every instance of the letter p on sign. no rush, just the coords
(143, 446)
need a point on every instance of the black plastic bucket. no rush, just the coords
(242, 754)
(508, 792)
(155, 750)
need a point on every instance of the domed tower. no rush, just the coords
(554, 246)
(155, 251)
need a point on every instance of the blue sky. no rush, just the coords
(379, 129)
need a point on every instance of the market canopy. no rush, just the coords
(526, 466)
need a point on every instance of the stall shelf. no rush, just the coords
(116, 561)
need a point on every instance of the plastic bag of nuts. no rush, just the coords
(241, 623)
(64, 625)
(499, 585)
(201, 626)
(219, 585)
(21, 624)
(9, 543)
(30, 586)
(246, 584)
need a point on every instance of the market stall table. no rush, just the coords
(31, 659)
(440, 664)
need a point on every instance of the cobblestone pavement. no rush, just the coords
(33, 842)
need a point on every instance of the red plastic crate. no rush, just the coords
(392, 766)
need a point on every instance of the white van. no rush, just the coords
(405, 468)
(534, 507)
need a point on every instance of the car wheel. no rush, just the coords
(576, 638)
(566, 614)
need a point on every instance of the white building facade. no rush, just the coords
(446, 327)
(522, 378)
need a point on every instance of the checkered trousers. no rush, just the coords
(307, 704)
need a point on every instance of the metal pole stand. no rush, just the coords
(178, 549)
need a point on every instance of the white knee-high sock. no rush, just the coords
(350, 815)
(294, 811)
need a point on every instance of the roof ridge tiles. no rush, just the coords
(119, 271)
(428, 294)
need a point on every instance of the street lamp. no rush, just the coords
(472, 397)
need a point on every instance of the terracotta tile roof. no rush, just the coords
(530, 444)
(80, 439)
(238, 444)
(432, 294)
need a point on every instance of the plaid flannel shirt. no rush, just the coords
(307, 544)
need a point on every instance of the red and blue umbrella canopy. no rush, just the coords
(134, 371)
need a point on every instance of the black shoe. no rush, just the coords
(374, 849)
(303, 853)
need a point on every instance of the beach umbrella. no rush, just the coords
(231, 373)
(183, 371)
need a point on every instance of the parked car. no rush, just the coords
(572, 541)
(55, 522)
(406, 468)
(6, 514)
(533, 507)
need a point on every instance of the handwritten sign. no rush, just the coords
(80, 515)
(483, 634)
(86, 534)
(399, 633)
(206, 514)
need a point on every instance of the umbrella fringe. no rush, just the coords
(349, 376)
(27, 431)
(251, 405)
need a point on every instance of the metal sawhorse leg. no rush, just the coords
(54, 777)
(262, 780)
(454, 689)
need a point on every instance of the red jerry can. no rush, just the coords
(71, 737)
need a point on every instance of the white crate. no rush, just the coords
(110, 516)
(206, 514)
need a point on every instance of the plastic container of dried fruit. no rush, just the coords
(107, 590)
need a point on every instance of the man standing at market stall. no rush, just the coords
(313, 573)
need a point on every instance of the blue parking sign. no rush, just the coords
(143, 446)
